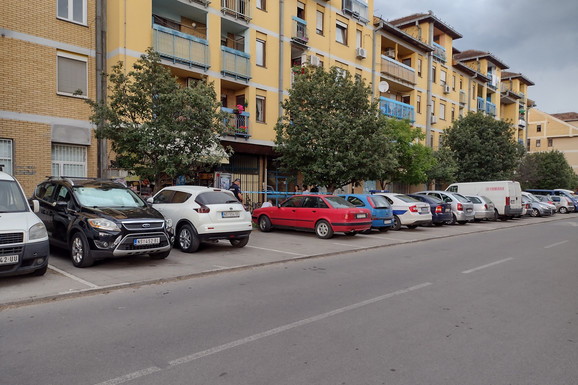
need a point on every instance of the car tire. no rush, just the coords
(412, 227)
(323, 229)
(264, 224)
(80, 251)
(462, 222)
(396, 223)
(40, 272)
(187, 239)
(162, 255)
(535, 213)
(239, 242)
(563, 210)
(495, 218)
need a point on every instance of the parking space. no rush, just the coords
(264, 248)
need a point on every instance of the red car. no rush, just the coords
(324, 214)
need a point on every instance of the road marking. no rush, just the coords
(74, 277)
(555, 244)
(488, 265)
(255, 337)
(277, 251)
(344, 244)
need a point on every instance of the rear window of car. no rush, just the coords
(215, 198)
(338, 202)
(461, 198)
(405, 198)
(379, 202)
(475, 199)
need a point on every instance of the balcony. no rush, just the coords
(509, 96)
(439, 52)
(395, 109)
(358, 9)
(481, 105)
(237, 124)
(239, 9)
(299, 31)
(235, 64)
(490, 108)
(397, 70)
(179, 47)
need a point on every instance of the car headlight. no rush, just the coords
(103, 224)
(37, 231)
(169, 223)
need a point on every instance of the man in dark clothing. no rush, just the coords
(314, 188)
(236, 189)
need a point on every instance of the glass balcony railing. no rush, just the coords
(397, 70)
(180, 47)
(395, 109)
(439, 52)
(235, 63)
(490, 108)
(299, 31)
(236, 124)
(481, 105)
(357, 8)
(237, 8)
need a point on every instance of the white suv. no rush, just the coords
(24, 244)
(203, 214)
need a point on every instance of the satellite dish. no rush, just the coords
(383, 86)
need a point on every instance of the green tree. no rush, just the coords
(330, 130)
(155, 126)
(546, 170)
(483, 147)
(445, 167)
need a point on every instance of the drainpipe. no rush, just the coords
(100, 64)
(373, 59)
(281, 60)
(429, 87)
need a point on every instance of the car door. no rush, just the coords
(286, 215)
(62, 217)
(311, 209)
(45, 195)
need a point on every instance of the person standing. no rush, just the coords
(314, 188)
(236, 189)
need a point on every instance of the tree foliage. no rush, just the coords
(483, 147)
(330, 130)
(445, 167)
(546, 170)
(156, 126)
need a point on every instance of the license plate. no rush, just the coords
(360, 216)
(147, 241)
(8, 259)
(230, 214)
(469, 210)
(424, 210)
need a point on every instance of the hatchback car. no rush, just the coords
(562, 203)
(537, 208)
(324, 214)
(441, 212)
(547, 200)
(381, 213)
(97, 219)
(201, 214)
(462, 208)
(407, 211)
(484, 208)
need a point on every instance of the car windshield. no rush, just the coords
(338, 202)
(11, 198)
(216, 198)
(406, 198)
(461, 198)
(379, 202)
(107, 197)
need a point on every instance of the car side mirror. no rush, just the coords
(35, 205)
(150, 200)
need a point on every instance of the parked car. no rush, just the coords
(505, 194)
(537, 208)
(441, 212)
(563, 204)
(24, 246)
(325, 214)
(462, 208)
(547, 200)
(569, 194)
(484, 208)
(381, 213)
(201, 214)
(95, 219)
(407, 211)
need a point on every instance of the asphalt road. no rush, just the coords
(477, 307)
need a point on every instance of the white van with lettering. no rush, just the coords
(506, 195)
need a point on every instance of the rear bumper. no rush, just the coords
(227, 235)
(348, 227)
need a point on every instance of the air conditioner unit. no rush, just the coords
(390, 52)
(447, 89)
(361, 53)
(314, 60)
(434, 119)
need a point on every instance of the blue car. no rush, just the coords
(381, 212)
(441, 212)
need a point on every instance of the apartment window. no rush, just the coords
(341, 32)
(6, 155)
(419, 67)
(319, 23)
(461, 84)
(72, 74)
(68, 160)
(261, 4)
(433, 107)
(442, 111)
(260, 57)
(443, 75)
(72, 10)
(539, 128)
(454, 82)
(260, 106)
(433, 74)
(418, 104)
(301, 10)
(528, 141)
(358, 39)
(537, 142)
(550, 142)
(453, 114)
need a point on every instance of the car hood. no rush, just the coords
(120, 213)
(15, 222)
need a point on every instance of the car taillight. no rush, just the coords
(438, 210)
(485, 206)
(413, 209)
(507, 201)
(203, 210)
(460, 207)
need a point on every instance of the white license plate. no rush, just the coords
(424, 210)
(8, 259)
(147, 241)
(230, 214)
(360, 216)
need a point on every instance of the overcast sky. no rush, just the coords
(538, 38)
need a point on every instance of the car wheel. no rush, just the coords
(240, 242)
(396, 223)
(495, 218)
(535, 213)
(323, 229)
(264, 224)
(80, 251)
(40, 272)
(162, 255)
(563, 210)
(462, 222)
(412, 227)
(187, 239)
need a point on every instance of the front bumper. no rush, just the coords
(32, 256)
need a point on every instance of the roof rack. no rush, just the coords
(70, 179)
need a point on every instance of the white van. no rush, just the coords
(506, 195)
(24, 244)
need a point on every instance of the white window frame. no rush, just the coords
(443, 76)
(319, 26)
(71, 7)
(78, 58)
(442, 111)
(261, 4)
(260, 48)
(341, 32)
(68, 155)
(260, 108)
(7, 155)
(358, 39)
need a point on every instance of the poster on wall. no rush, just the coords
(222, 180)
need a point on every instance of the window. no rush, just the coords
(341, 32)
(301, 10)
(537, 142)
(453, 114)
(6, 155)
(418, 102)
(260, 105)
(539, 128)
(72, 10)
(433, 74)
(68, 160)
(261, 4)
(461, 84)
(433, 107)
(443, 75)
(260, 57)
(358, 39)
(419, 67)
(442, 111)
(528, 144)
(72, 73)
(454, 82)
(319, 23)
(550, 142)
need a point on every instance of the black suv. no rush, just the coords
(97, 219)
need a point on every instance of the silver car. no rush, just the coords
(563, 204)
(537, 208)
(462, 208)
(484, 208)
(547, 201)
